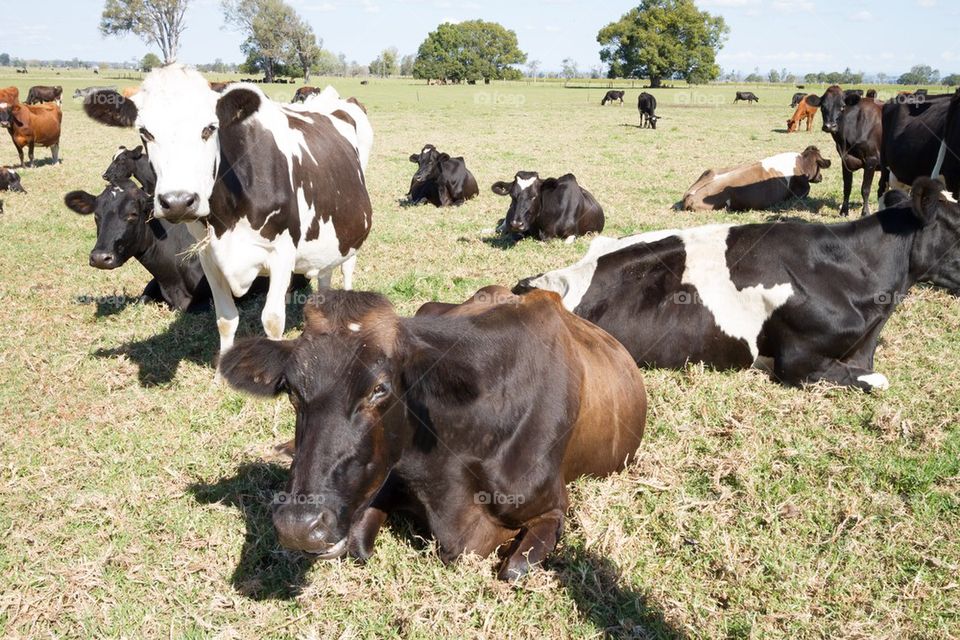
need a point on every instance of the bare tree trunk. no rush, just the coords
(306, 69)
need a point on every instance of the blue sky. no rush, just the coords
(801, 35)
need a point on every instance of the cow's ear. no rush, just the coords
(110, 108)
(928, 200)
(257, 365)
(851, 100)
(80, 201)
(236, 106)
(414, 158)
(501, 188)
(137, 151)
(813, 100)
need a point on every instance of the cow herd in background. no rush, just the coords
(231, 193)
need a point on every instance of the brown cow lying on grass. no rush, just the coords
(472, 418)
(757, 185)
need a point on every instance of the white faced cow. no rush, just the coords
(268, 188)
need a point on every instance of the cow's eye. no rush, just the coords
(146, 135)
(379, 392)
(133, 216)
(208, 131)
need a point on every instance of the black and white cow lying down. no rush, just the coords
(440, 179)
(551, 208)
(805, 301)
(270, 188)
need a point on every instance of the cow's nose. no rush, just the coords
(103, 259)
(304, 528)
(178, 205)
(829, 128)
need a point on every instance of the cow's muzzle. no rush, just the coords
(310, 529)
(177, 206)
(104, 260)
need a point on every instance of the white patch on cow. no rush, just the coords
(3, 105)
(739, 313)
(354, 326)
(120, 150)
(948, 196)
(875, 380)
(896, 184)
(524, 183)
(783, 163)
(569, 239)
(941, 156)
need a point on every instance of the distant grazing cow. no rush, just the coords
(612, 96)
(758, 185)
(304, 92)
(134, 163)
(441, 180)
(89, 91)
(647, 105)
(40, 93)
(856, 127)
(9, 95)
(272, 188)
(551, 208)
(31, 125)
(10, 180)
(390, 409)
(797, 97)
(805, 301)
(806, 110)
(746, 95)
(911, 142)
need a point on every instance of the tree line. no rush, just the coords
(657, 40)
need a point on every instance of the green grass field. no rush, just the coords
(134, 494)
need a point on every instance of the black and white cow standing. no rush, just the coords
(268, 188)
(551, 208)
(647, 106)
(805, 301)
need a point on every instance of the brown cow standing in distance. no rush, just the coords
(31, 125)
(472, 419)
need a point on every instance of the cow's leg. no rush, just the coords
(346, 269)
(223, 303)
(274, 314)
(20, 153)
(847, 186)
(55, 150)
(865, 189)
(535, 541)
(884, 182)
(324, 279)
(30, 152)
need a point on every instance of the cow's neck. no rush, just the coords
(161, 257)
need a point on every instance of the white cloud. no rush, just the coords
(795, 6)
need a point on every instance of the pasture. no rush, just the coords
(135, 494)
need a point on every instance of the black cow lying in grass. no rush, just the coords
(409, 414)
(806, 301)
(126, 229)
(546, 209)
(441, 180)
(10, 180)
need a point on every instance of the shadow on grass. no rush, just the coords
(813, 205)
(606, 600)
(192, 337)
(265, 571)
(503, 242)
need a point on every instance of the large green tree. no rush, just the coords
(920, 74)
(664, 39)
(277, 40)
(154, 21)
(470, 50)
